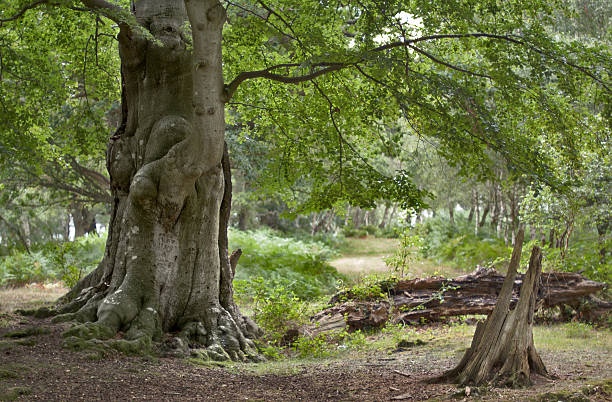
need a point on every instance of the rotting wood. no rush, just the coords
(437, 297)
(502, 348)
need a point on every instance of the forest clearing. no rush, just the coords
(305, 200)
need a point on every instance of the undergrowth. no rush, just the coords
(54, 261)
(299, 266)
(458, 245)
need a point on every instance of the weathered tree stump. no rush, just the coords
(502, 349)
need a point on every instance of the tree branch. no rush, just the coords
(17, 232)
(109, 10)
(288, 25)
(94, 177)
(22, 11)
(240, 78)
(442, 62)
(266, 73)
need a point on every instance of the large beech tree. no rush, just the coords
(322, 80)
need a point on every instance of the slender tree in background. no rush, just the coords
(455, 71)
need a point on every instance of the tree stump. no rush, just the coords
(502, 349)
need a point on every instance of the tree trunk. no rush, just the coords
(496, 206)
(17, 230)
(383, 222)
(392, 215)
(477, 217)
(66, 228)
(566, 237)
(357, 218)
(485, 212)
(471, 214)
(451, 213)
(551, 238)
(502, 213)
(84, 220)
(243, 218)
(166, 265)
(502, 348)
(514, 211)
(602, 229)
(437, 298)
(25, 227)
(320, 221)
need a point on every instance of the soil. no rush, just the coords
(36, 367)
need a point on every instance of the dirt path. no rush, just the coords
(357, 265)
(364, 256)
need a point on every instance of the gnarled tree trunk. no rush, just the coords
(502, 349)
(166, 265)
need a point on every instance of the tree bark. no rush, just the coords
(166, 265)
(471, 213)
(357, 217)
(477, 217)
(602, 228)
(485, 212)
(502, 349)
(16, 229)
(383, 221)
(496, 206)
(391, 215)
(437, 298)
(84, 220)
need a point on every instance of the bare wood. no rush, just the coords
(502, 348)
(476, 293)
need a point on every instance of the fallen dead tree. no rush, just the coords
(437, 297)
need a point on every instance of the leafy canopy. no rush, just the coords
(324, 83)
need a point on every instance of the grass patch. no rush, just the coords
(572, 336)
(26, 332)
(29, 297)
(368, 246)
(13, 393)
(12, 370)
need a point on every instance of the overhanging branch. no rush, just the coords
(266, 73)
(109, 10)
(22, 11)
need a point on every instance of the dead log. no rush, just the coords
(351, 315)
(435, 298)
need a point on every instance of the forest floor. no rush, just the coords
(34, 366)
